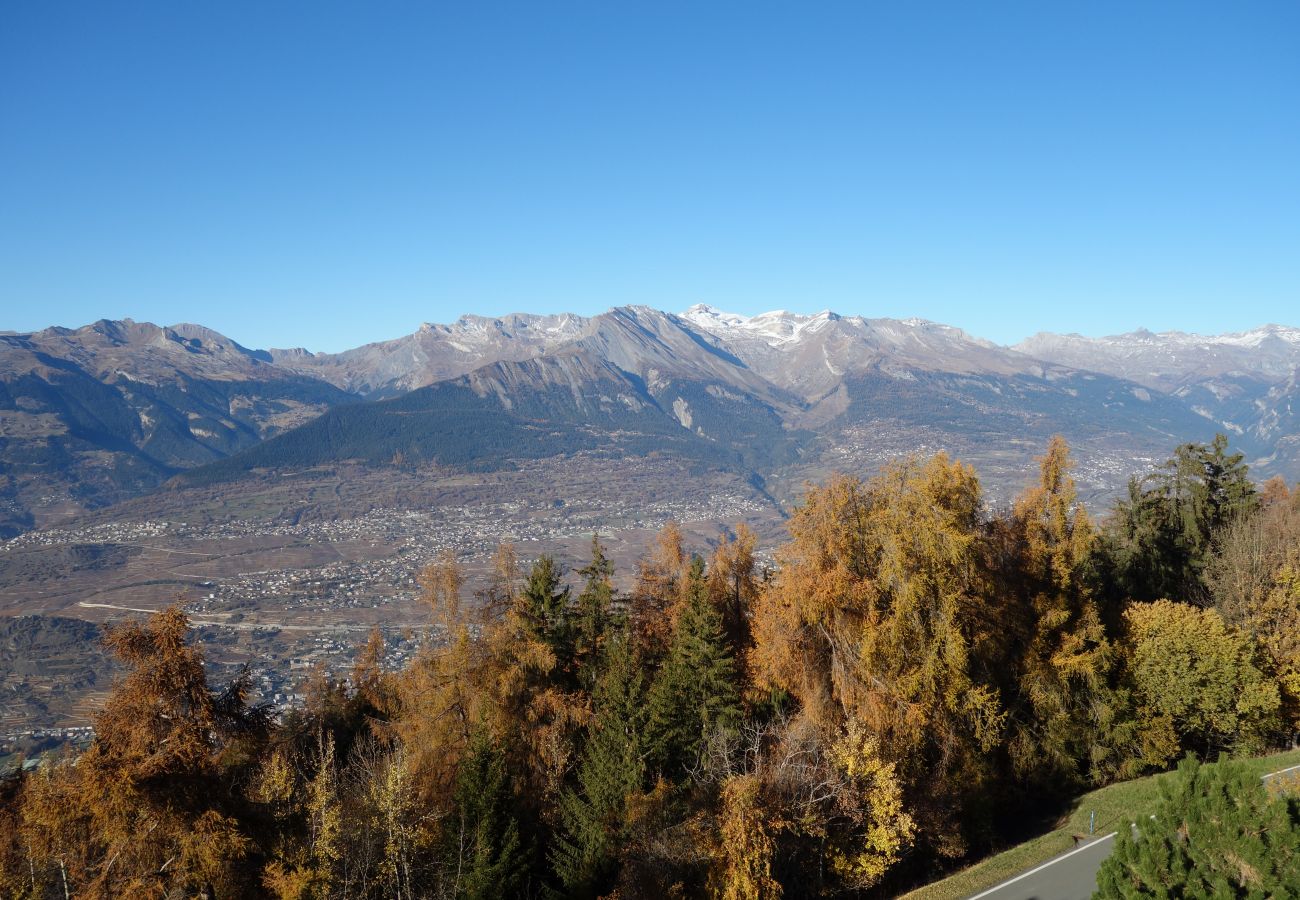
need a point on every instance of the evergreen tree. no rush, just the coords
(545, 612)
(611, 769)
(592, 615)
(697, 689)
(534, 705)
(1165, 530)
(1229, 492)
(1216, 833)
(485, 855)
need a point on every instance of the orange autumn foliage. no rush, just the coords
(879, 599)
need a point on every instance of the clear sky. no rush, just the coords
(324, 174)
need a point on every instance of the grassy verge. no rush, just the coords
(1114, 805)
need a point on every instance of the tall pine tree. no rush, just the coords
(697, 689)
(592, 614)
(1059, 655)
(612, 768)
(544, 610)
(485, 855)
(1165, 531)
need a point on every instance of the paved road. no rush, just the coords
(1070, 876)
(1286, 781)
(1073, 874)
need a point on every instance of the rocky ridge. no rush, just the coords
(91, 415)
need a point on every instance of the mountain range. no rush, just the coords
(115, 409)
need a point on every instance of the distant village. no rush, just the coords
(286, 624)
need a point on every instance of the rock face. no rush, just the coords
(1245, 382)
(1172, 359)
(877, 388)
(92, 415)
(811, 355)
(635, 381)
(434, 353)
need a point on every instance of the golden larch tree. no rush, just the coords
(872, 618)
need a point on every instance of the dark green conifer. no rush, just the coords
(545, 609)
(485, 856)
(1165, 530)
(612, 768)
(697, 689)
(592, 614)
(1216, 833)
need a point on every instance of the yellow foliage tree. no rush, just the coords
(1275, 623)
(492, 670)
(442, 694)
(1197, 683)
(1052, 630)
(733, 583)
(1255, 579)
(1251, 551)
(659, 592)
(140, 813)
(804, 802)
(872, 619)
(882, 826)
(303, 869)
(743, 865)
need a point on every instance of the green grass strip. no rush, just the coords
(1115, 805)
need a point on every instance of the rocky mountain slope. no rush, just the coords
(878, 388)
(810, 355)
(637, 381)
(92, 415)
(433, 353)
(1243, 382)
(1174, 359)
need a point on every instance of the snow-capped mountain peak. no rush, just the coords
(713, 320)
(1171, 359)
(775, 327)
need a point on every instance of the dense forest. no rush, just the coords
(916, 682)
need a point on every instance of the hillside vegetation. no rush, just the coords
(912, 682)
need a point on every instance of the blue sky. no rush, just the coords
(327, 174)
